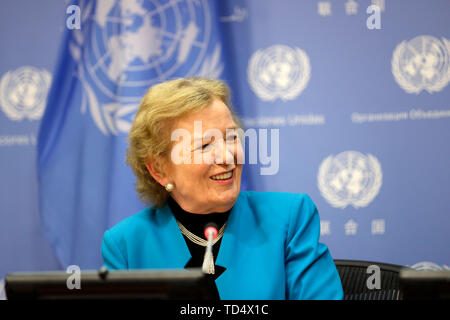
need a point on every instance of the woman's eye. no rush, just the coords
(232, 138)
(204, 147)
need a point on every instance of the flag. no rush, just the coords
(105, 67)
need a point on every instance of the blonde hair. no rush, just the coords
(150, 132)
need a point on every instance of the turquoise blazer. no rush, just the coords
(270, 248)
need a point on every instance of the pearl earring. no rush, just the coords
(169, 187)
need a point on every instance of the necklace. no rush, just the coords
(196, 239)
(208, 260)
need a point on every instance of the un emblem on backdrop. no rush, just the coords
(23, 93)
(278, 72)
(427, 265)
(124, 47)
(2, 290)
(422, 63)
(349, 178)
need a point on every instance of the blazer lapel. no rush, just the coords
(177, 254)
(228, 246)
(176, 250)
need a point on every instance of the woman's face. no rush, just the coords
(211, 181)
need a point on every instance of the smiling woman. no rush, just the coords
(168, 108)
(213, 183)
(267, 244)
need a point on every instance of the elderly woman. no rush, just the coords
(267, 245)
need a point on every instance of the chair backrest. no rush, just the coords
(354, 275)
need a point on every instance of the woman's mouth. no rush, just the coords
(223, 177)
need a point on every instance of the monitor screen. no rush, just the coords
(168, 284)
(425, 285)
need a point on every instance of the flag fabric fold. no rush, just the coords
(104, 69)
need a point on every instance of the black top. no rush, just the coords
(195, 223)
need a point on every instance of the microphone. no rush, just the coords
(211, 233)
(211, 230)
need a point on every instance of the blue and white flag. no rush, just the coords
(105, 67)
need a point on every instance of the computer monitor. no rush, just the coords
(425, 284)
(170, 284)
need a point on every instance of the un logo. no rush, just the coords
(23, 93)
(422, 64)
(349, 178)
(2, 290)
(427, 265)
(278, 72)
(124, 47)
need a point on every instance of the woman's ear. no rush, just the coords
(155, 168)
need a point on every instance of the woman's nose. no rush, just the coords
(226, 154)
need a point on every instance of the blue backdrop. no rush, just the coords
(356, 90)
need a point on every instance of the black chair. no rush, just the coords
(354, 276)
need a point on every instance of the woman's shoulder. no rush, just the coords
(283, 199)
(133, 223)
(287, 206)
(283, 210)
